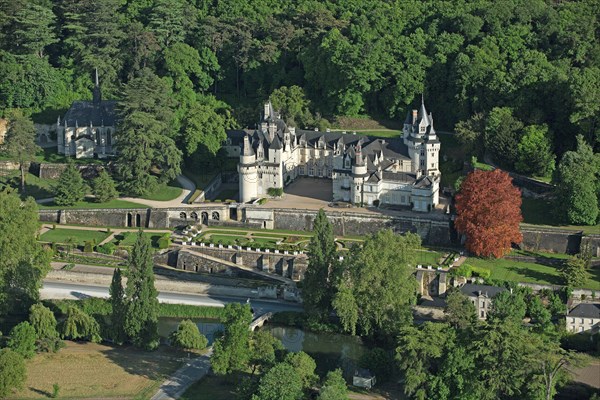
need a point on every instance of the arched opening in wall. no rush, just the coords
(215, 216)
(265, 224)
(233, 213)
(204, 218)
(182, 215)
(194, 215)
(129, 220)
(138, 220)
(108, 136)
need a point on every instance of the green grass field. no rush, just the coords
(165, 192)
(88, 203)
(130, 237)
(424, 257)
(542, 212)
(76, 236)
(516, 271)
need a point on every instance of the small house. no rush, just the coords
(481, 296)
(584, 317)
(363, 378)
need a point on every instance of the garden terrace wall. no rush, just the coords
(555, 241)
(433, 231)
(290, 265)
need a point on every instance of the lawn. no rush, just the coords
(424, 257)
(165, 192)
(34, 186)
(78, 236)
(517, 271)
(129, 238)
(87, 370)
(210, 388)
(89, 203)
(542, 212)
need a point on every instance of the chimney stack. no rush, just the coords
(414, 115)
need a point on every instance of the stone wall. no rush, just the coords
(8, 167)
(53, 171)
(432, 231)
(554, 241)
(290, 266)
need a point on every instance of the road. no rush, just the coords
(74, 291)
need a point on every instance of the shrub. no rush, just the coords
(12, 371)
(22, 339)
(187, 336)
(262, 201)
(55, 390)
(87, 247)
(107, 248)
(165, 241)
(481, 272)
(464, 270)
(275, 192)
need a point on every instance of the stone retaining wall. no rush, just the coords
(287, 265)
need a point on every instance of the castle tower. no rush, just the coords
(359, 174)
(248, 173)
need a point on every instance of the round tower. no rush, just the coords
(248, 173)
(359, 172)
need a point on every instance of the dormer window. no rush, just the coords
(347, 162)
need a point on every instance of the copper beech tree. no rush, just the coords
(488, 209)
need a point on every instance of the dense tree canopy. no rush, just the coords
(488, 209)
(539, 58)
(23, 262)
(376, 286)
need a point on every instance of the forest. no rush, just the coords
(518, 80)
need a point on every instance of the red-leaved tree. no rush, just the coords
(488, 209)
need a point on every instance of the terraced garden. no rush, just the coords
(73, 236)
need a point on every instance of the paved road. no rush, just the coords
(184, 377)
(74, 291)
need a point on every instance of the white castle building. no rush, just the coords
(87, 128)
(363, 170)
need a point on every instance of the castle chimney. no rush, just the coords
(414, 115)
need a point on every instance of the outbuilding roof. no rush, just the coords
(585, 310)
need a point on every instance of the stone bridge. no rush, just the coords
(259, 321)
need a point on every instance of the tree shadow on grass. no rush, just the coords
(39, 391)
(149, 364)
(539, 277)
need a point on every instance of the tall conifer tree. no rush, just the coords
(141, 323)
(119, 307)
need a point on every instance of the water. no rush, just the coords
(329, 350)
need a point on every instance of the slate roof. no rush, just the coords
(472, 290)
(586, 310)
(84, 112)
